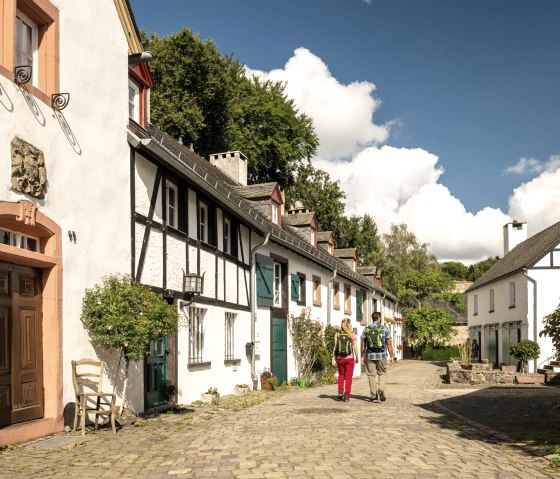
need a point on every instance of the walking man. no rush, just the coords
(376, 345)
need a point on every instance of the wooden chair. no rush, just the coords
(87, 376)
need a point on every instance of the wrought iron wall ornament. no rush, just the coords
(59, 101)
(22, 74)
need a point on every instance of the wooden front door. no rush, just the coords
(21, 337)
(156, 374)
(279, 346)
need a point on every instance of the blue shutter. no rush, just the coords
(295, 287)
(264, 273)
(359, 302)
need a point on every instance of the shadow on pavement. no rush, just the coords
(517, 414)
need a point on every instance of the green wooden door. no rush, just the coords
(156, 374)
(279, 345)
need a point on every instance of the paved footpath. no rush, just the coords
(303, 433)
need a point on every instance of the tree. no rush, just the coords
(125, 315)
(428, 325)
(552, 329)
(456, 270)
(415, 287)
(318, 193)
(205, 98)
(478, 269)
(360, 232)
(524, 351)
(402, 252)
(307, 340)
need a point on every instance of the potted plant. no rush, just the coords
(465, 352)
(524, 351)
(268, 380)
(211, 396)
(241, 389)
(484, 360)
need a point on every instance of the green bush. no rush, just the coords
(525, 350)
(440, 353)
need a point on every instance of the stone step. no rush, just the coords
(542, 371)
(555, 363)
(553, 378)
(551, 367)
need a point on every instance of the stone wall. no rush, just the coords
(479, 374)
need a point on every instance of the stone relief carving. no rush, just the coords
(29, 174)
(27, 212)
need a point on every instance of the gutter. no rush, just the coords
(535, 335)
(253, 295)
(329, 293)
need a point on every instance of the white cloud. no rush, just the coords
(399, 185)
(342, 114)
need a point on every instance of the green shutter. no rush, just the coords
(359, 302)
(264, 273)
(295, 287)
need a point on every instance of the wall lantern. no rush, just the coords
(193, 284)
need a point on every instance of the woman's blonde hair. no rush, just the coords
(346, 325)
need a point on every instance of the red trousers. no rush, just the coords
(345, 373)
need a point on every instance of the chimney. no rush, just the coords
(232, 163)
(514, 234)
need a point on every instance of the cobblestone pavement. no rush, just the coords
(298, 433)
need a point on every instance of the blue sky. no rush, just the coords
(463, 95)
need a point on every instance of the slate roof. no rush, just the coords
(524, 255)
(323, 236)
(252, 192)
(367, 269)
(298, 219)
(345, 252)
(212, 179)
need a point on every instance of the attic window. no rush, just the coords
(274, 212)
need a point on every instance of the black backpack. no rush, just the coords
(374, 339)
(343, 345)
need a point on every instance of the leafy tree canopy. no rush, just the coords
(414, 287)
(552, 329)
(478, 269)
(205, 98)
(456, 270)
(427, 325)
(360, 232)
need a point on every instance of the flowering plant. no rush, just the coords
(399, 347)
(242, 386)
(213, 391)
(267, 374)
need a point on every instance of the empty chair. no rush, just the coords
(87, 376)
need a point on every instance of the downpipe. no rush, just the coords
(329, 294)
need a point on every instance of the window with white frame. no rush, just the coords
(313, 236)
(491, 301)
(475, 305)
(512, 294)
(172, 204)
(227, 236)
(133, 101)
(26, 44)
(274, 212)
(203, 223)
(196, 334)
(229, 335)
(18, 240)
(277, 285)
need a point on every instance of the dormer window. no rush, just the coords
(331, 249)
(133, 101)
(274, 213)
(313, 237)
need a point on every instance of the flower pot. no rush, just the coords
(266, 384)
(468, 367)
(302, 383)
(210, 398)
(241, 391)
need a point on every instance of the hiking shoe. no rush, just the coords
(374, 398)
(382, 396)
(347, 398)
(340, 397)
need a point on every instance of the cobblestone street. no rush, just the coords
(298, 433)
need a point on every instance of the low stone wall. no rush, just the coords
(478, 374)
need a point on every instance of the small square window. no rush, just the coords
(172, 195)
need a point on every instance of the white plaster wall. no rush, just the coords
(176, 259)
(152, 272)
(145, 174)
(88, 180)
(192, 216)
(208, 265)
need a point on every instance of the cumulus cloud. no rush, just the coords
(534, 166)
(342, 114)
(400, 185)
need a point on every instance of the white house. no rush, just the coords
(508, 303)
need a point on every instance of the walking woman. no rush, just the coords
(345, 354)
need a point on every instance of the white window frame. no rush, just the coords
(21, 18)
(133, 101)
(277, 284)
(229, 351)
(197, 334)
(172, 207)
(512, 294)
(491, 300)
(203, 222)
(313, 233)
(227, 236)
(274, 212)
(19, 240)
(475, 305)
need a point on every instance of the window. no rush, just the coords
(227, 236)
(196, 334)
(172, 203)
(264, 279)
(347, 299)
(203, 223)
(277, 285)
(229, 329)
(316, 291)
(512, 294)
(30, 36)
(475, 307)
(313, 237)
(336, 295)
(491, 301)
(298, 288)
(19, 240)
(133, 101)
(360, 304)
(274, 212)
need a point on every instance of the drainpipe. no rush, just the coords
(253, 295)
(535, 335)
(329, 293)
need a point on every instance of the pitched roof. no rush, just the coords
(324, 236)
(524, 255)
(298, 219)
(365, 270)
(345, 252)
(249, 192)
